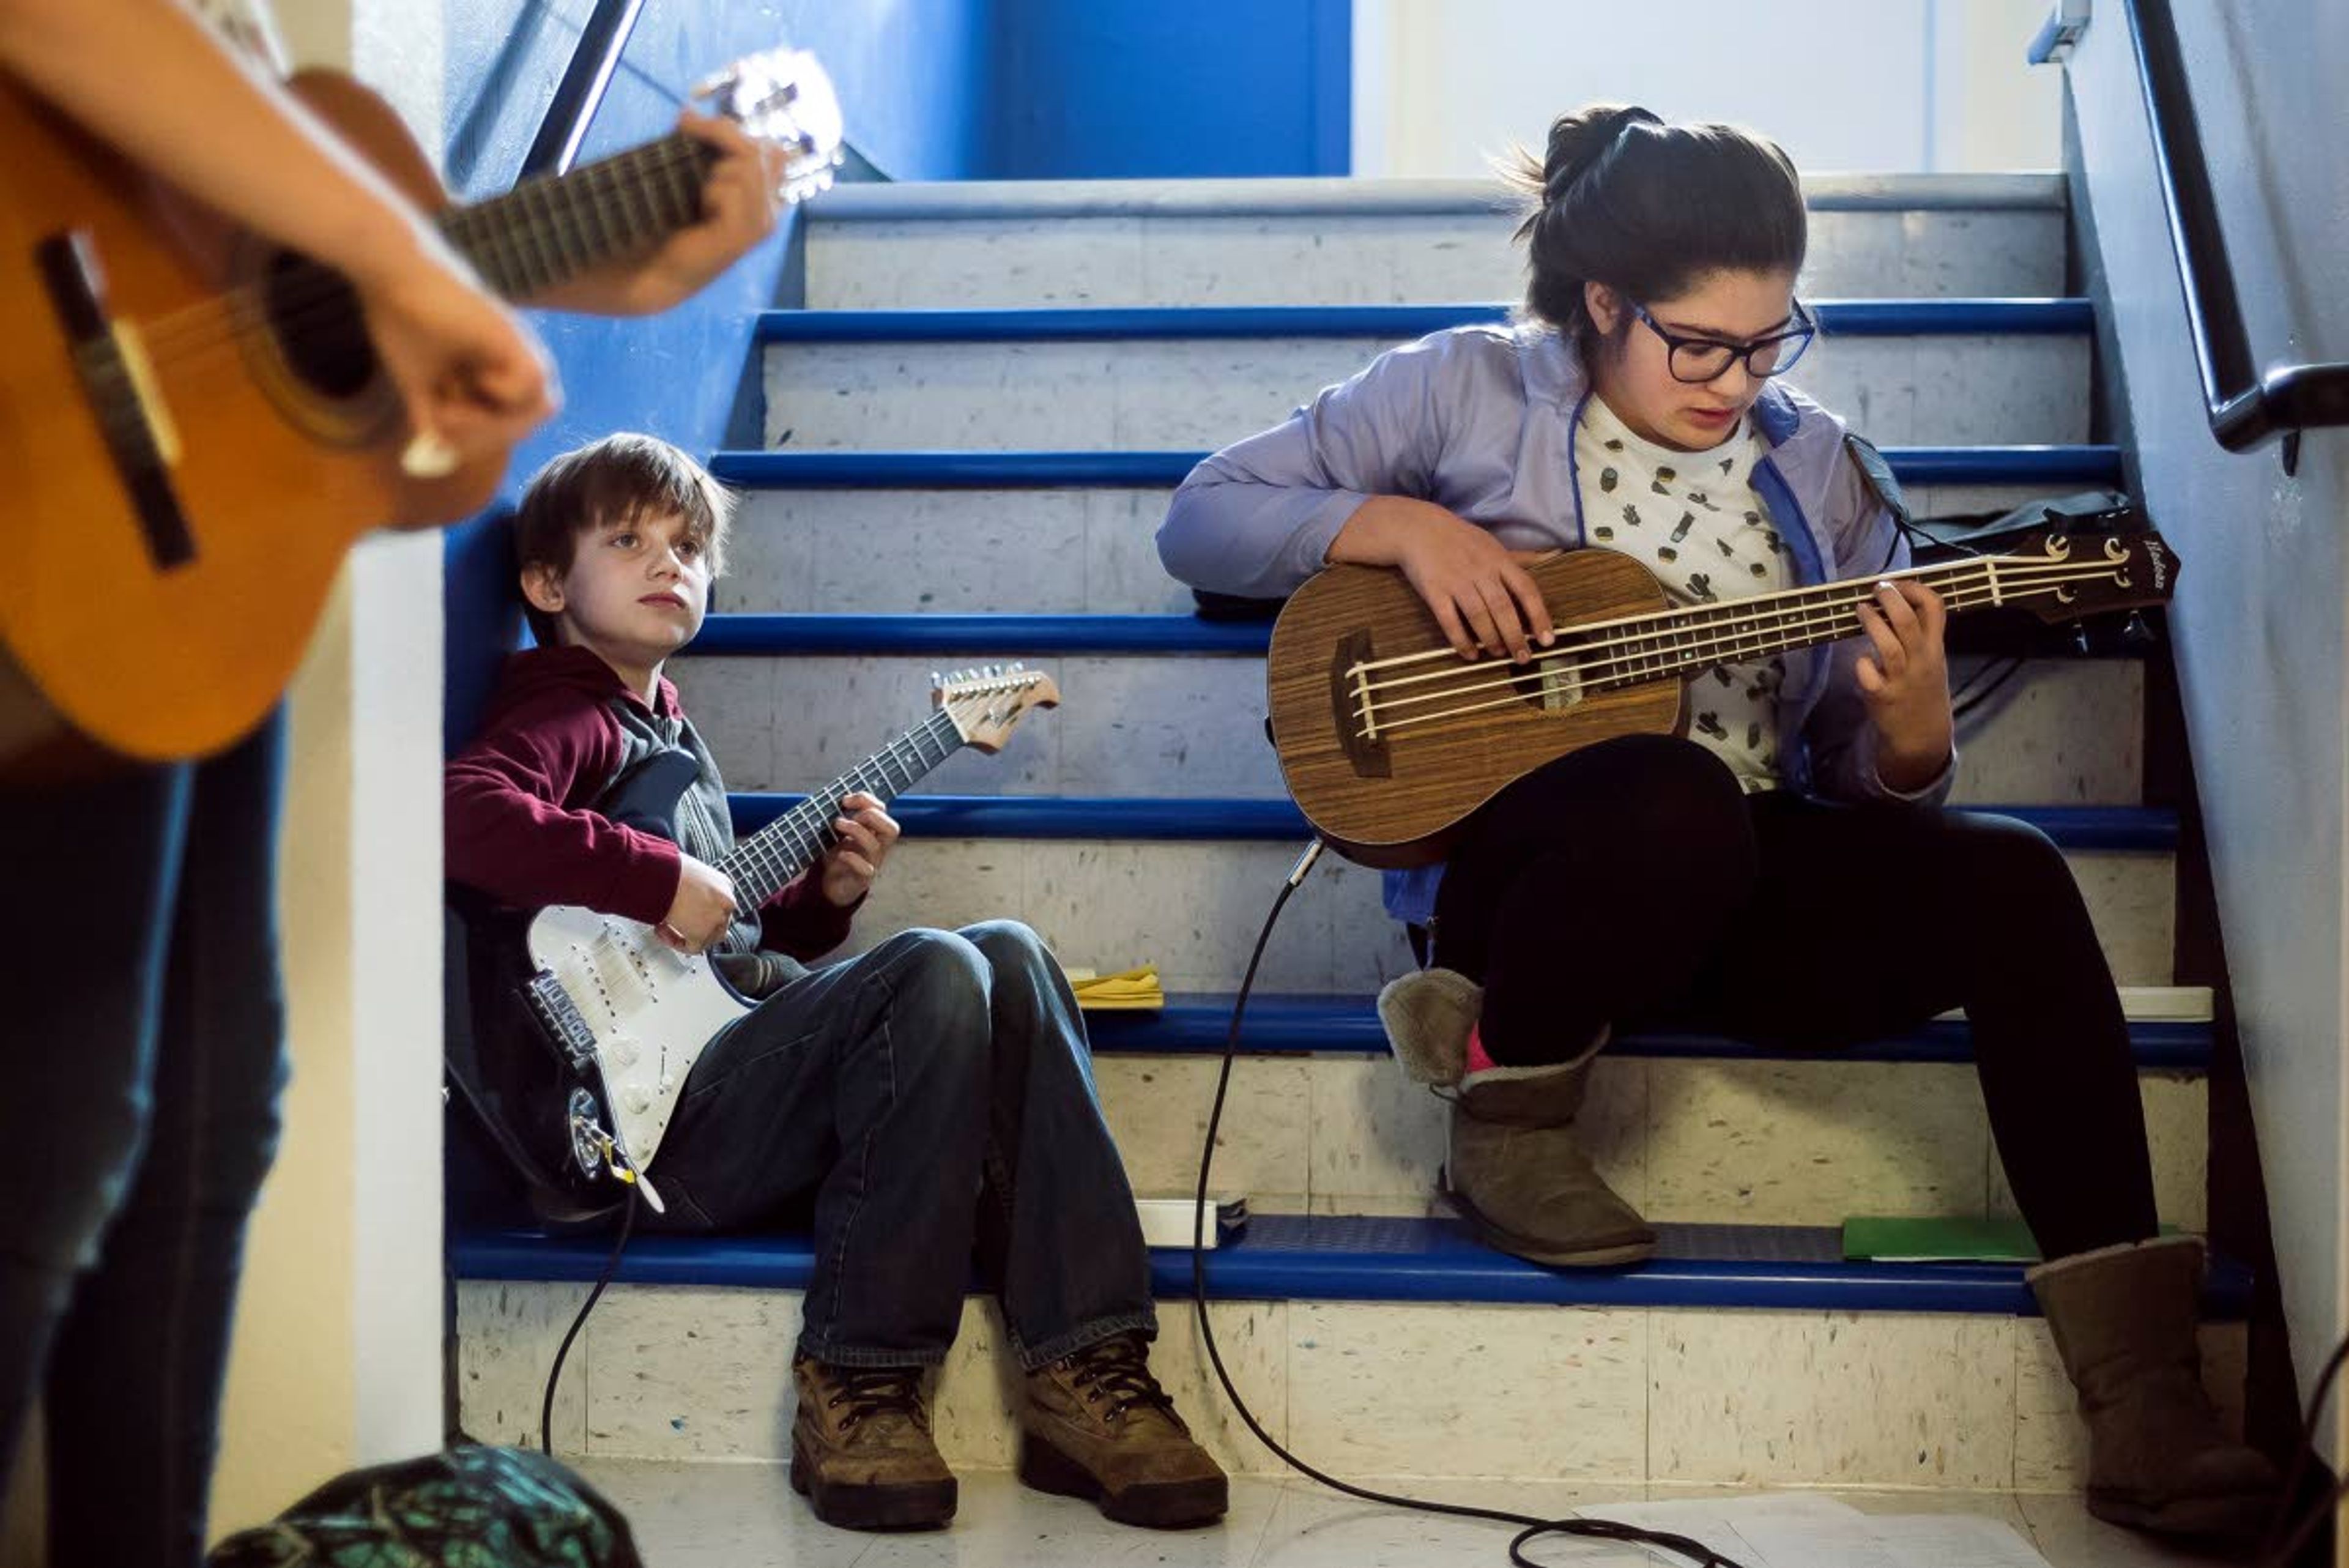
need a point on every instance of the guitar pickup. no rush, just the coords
(561, 1018)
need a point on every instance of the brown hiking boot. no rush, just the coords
(1096, 1424)
(861, 1451)
(2122, 1319)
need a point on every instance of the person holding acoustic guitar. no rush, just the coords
(933, 1098)
(141, 947)
(1786, 873)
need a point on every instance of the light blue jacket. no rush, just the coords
(1481, 421)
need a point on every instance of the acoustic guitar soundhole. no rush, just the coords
(320, 332)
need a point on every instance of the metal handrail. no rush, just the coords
(2246, 405)
(580, 93)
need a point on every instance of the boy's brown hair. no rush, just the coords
(621, 476)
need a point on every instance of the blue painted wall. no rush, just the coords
(1140, 89)
(906, 73)
(932, 89)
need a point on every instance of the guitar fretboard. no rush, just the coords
(547, 231)
(763, 864)
(1678, 643)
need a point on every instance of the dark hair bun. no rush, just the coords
(1579, 139)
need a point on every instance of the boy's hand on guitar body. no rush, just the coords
(1479, 591)
(704, 907)
(867, 834)
(1905, 683)
(473, 378)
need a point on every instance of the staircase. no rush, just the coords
(971, 434)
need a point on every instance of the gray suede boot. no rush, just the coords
(1512, 1168)
(2123, 1321)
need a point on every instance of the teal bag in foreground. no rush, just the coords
(466, 1508)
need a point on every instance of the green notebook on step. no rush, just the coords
(1943, 1239)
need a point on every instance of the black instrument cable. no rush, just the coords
(1533, 1526)
(611, 1267)
(2304, 1455)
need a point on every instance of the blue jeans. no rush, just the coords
(935, 1097)
(139, 952)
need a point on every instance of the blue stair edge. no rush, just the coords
(1297, 1257)
(2097, 465)
(989, 635)
(1286, 1022)
(1836, 317)
(975, 635)
(1179, 818)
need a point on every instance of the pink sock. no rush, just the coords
(1479, 1059)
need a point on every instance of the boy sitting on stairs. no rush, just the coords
(935, 1095)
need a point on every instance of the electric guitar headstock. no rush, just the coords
(986, 703)
(783, 97)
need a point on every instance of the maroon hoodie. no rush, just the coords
(518, 807)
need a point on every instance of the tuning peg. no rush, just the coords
(935, 679)
(2136, 632)
(2080, 638)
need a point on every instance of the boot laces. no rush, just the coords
(870, 1391)
(1117, 1370)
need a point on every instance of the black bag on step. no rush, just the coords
(467, 1507)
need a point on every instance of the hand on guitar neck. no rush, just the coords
(740, 195)
(1905, 683)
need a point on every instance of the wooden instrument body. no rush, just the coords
(98, 642)
(1397, 802)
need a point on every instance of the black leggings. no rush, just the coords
(1633, 883)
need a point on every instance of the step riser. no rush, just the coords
(1383, 259)
(1193, 910)
(1685, 1142)
(1098, 397)
(2064, 731)
(1932, 1401)
(1034, 550)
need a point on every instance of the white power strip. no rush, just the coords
(1170, 1222)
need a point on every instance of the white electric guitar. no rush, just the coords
(626, 1014)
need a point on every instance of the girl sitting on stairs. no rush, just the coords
(1787, 875)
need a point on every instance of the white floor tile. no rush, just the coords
(746, 1516)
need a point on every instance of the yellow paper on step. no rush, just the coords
(1127, 989)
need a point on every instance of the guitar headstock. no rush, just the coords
(2063, 576)
(783, 97)
(986, 703)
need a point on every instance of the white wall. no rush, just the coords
(337, 1353)
(1843, 84)
(2261, 653)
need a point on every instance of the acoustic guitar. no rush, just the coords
(1388, 740)
(192, 421)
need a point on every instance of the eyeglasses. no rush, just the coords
(1697, 360)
